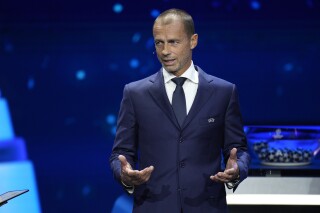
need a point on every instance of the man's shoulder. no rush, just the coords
(143, 83)
(214, 79)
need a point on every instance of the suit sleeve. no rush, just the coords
(126, 135)
(235, 137)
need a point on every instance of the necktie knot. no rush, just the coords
(179, 81)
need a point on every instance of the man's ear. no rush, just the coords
(194, 41)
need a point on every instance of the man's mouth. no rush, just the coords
(168, 62)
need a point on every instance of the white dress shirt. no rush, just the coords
(190, 86)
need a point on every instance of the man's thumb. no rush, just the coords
(233, 154)
(123, 160)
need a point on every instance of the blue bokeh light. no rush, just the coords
(69, 121)
(81, 75)
(279, 91)
(45, 62)
(150, 43)
(31, 83)
(117, 8)
(288, 67)
(246, 129)
(134, 63)
(310, 3)
(60, 194)
(154, 13)
(136, 37)
(114, 130)
(111, 119)
(8, 47)
(255, 5)
(86, 190)
(113, 66)
(216, 4)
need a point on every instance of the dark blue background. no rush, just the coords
(63, 66)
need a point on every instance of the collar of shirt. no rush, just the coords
(191, 74)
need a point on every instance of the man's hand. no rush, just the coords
(231, 172)
(132, 177)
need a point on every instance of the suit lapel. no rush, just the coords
(158, 93)
(204, 92)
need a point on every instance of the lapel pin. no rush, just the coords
(210, 120)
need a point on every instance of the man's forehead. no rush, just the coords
(168, 19)
(168, 31)
(172, 28)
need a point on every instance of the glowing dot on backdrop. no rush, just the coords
(111, 119)
(255, 5)
(117, 8)
(144, 69)
(81, 75)
(154, 13)
(134, 63)
(150, 43)
(310, 3)
(136, 37)
(246, 129)
(45, 62)
(279, 91)
(86, 190)
(69, 121)
(59, 194)
(288, 67)
(114, 130)
(216, 4)
(113, 66)
(31, 83)
(8, 47)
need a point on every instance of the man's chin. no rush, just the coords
(170, 69)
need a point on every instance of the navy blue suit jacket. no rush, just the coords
(183, 157)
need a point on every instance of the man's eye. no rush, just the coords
(174, 42)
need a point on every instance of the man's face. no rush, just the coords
(173, 45)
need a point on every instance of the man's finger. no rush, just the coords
(126, 168)
(123, 160)
(146, 172)
(139, 177)
(216, 178)
(136, 174)
(233, 154)
(224, 176)
(230, 171)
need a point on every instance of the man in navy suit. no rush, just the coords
(169, 158)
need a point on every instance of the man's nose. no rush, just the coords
(166, 49)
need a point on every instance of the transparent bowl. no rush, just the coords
(284, 145)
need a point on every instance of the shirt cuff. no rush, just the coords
(233, 183)
(129, 189)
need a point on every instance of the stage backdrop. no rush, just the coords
(63, 66)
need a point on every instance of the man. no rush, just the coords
(176, 131)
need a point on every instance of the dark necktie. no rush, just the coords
(179, 100)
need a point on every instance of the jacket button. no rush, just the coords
(180, 140)
(182, 164)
